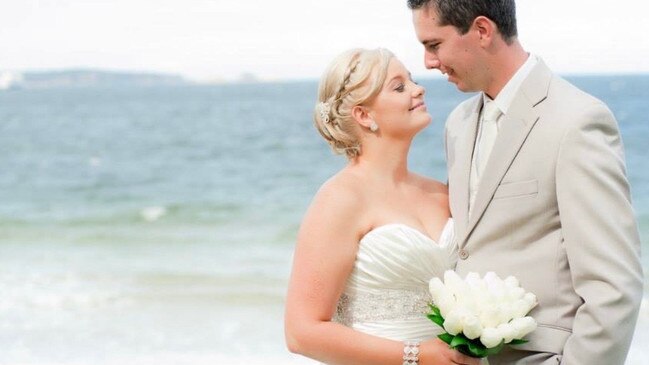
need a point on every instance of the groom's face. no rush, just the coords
(445, 49)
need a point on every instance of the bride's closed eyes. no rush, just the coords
(402, 87)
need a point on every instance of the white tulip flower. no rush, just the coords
(508, 331)
(491, 277)
(520, 308)
(523, 326)
(505, 312)
(530, 299)
(472, 327)
(473, 279)
(515, 293)
(436, 288)
(491, 337)
(512, 282)
(454, 283)
(489, 316)
(453, 322)
(446, 302)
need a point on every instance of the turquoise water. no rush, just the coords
(156, 225)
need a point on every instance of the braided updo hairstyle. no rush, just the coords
(353, 78)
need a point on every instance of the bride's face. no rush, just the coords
(399, 108)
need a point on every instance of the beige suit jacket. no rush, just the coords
(554, 209)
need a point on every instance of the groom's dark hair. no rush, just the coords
(461, 13)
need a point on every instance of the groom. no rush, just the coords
(537, 185)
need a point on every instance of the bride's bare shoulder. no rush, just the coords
(336, 211)
(344, 188)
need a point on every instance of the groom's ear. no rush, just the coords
(485, 28)
(362, 116)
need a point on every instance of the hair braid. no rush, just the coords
(352, 78)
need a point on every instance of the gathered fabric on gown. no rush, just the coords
(386, 294)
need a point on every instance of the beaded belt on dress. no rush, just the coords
(382, 305)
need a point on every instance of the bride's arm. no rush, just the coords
(324, 257)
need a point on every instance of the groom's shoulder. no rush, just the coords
(468, 105)
(560, 91)
(564, 91)
(575, 103)
(464, 110)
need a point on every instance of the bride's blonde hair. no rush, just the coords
(352, 78)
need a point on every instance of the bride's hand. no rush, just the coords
(437, 352)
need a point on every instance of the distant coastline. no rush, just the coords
(84, 78)
(89, 77)
(71, 78)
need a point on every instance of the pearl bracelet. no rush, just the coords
(411, 353)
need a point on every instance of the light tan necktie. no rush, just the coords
(484, 145)
(488, 136)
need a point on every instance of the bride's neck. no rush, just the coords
(385, 161)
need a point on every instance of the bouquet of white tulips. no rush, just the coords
(481, 315)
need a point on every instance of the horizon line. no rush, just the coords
(250, 77)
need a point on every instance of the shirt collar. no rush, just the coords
(506, 96)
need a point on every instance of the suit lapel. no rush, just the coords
(514, 129)
(510, 139)
(461, 171)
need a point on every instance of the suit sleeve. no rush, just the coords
(601, 239)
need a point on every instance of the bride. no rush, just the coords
(375, 233)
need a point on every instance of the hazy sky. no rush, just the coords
(221, 39)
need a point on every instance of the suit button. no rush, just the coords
(464, 254)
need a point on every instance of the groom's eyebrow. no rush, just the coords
(426, 42)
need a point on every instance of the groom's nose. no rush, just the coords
(431, 61)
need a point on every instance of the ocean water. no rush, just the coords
(156, 225)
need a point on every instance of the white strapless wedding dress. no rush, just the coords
(386, 294)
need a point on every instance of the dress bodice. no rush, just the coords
(386, 293)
